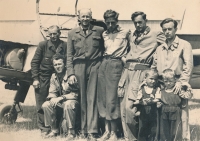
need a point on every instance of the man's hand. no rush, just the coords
(123, 60)
(55, 101)
(36, 84)
(144, 101)
(177, 88)
(72, 80)
(159, 104)
(71, 96)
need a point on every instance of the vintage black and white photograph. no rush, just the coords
(99, 70)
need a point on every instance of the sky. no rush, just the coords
(155, 9)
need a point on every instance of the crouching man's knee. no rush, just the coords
(46, 105)
(70, 104)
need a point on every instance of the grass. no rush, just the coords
(25, 128)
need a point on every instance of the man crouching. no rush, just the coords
(61, 95)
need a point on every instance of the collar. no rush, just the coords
(91, 27)
(173, 46)
(117, 29)
(65, 78)
(138, 34)
(50, 44)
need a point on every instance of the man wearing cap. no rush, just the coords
(42, 69)
(84, 54)
(143, 43)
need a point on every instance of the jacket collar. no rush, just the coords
(91, 28)
(59, 48)
(50, 44)
(65, 78)
(138, 34)
(173, 46)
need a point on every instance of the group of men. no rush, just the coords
(73, 86)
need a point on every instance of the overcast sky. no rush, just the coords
(155, 9)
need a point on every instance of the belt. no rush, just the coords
(137, 65)
(107, 57)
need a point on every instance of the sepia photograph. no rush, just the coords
(99, 70)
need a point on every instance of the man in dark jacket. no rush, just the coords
(84, 52)
(42, 69)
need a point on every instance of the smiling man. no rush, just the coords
(84, 54)
(61, 95)
(41, 68)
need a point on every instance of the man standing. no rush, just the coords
(143, 42)
(84, 53)
(42, 69)
(61, 95)
(175, 54)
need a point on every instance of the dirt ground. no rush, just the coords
(25, 128)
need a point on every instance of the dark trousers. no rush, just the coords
(40, 97)
(147, 123)
(170, 124)
(86, 74)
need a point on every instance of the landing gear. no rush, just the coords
(8, 113)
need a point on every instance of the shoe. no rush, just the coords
(70, 137)
(105, 136)
(113, 137)
(91, 137)
(44, 134)
(51, 135)
(63, 135)
(81, 136)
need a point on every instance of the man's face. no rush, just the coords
(151, 80)
(111, 23)
(85, 17)
(54, 34)
(140, 23)
(58, 65)
(169, 82)
(169, 30)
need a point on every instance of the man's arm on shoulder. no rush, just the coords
(37, 58)
(70, 54)
(154, 64)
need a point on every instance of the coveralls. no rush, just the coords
(148, 115)
(170, 123)
(69, 107)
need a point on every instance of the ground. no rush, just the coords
(25, 128)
